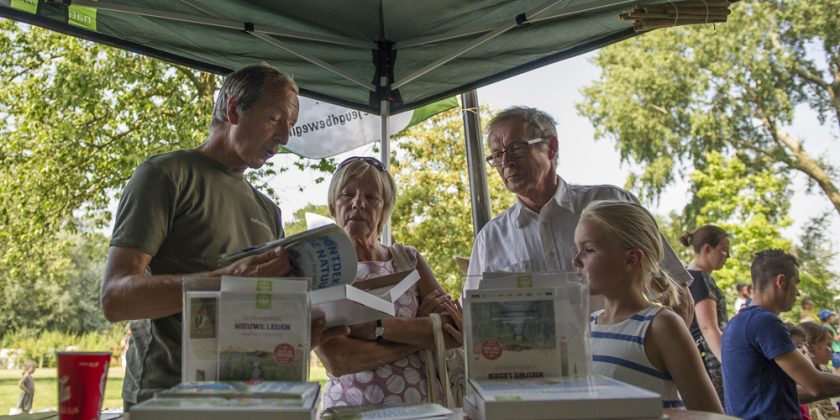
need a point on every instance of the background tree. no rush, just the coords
(76, 118)
(710, 105)
(670, 96)
(433, 210)
(815, 253)
(297, 223)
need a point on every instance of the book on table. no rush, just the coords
(523, 333)
(264, 329)
(200, 349)
(418, 411)
(593, 397)
(230, 400)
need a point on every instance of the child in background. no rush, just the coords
(27, 385)
(742, 300)
(634, 339)
(818, 340)
(799, 338)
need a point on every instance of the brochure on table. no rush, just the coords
(264, 329)
(419, 411)
(219, 400)
(593, 397)
(251, 329)
(527, 325)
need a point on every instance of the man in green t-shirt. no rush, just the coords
(181, 210)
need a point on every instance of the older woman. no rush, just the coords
(380, 362)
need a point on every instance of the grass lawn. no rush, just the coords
(46, 387)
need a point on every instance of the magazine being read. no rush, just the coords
(324, 254)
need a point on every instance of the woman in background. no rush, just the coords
(711, 249)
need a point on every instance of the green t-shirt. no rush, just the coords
(185, 210)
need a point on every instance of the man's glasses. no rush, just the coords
(514, 151)
(372, 161)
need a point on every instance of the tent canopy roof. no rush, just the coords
(344, 52)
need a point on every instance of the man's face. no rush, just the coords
(530, 172)
(790, 292)
(256, 135)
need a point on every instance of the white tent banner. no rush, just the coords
(324, 129)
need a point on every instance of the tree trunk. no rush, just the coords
(810, 167)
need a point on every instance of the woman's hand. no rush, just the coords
(455, 329)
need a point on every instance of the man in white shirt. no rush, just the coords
(536, 234)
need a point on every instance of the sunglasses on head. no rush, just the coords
(372, 161)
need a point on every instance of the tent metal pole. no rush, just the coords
(479, 192)
(385, 151)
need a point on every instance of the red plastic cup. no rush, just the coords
(81, 384)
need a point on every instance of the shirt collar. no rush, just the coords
(562, 198)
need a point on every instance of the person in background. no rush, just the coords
(818, 340)
(807, 314)
(829, 320)
(798, 336)
(711, 250)
(536, 234)
(743, 298)
(380, 363)
(635, 340)
(761, 364)
(27, 387)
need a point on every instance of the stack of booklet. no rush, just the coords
(419, 411)
(230, 400)
(259, 328)
(555, 398)
(527, 353)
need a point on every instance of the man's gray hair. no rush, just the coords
(541, 124)
(248, 85)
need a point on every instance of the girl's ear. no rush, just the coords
(635, 257)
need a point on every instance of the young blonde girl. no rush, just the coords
(818, 340)
(27, 387)
(634, 339)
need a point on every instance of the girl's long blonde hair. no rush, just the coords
(636, 228)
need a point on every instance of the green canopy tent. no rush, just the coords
(378, 56)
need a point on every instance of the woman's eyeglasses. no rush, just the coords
(372, 161)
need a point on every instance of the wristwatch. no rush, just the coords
(379, 330)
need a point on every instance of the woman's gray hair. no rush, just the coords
(248, 85)
(360, 168)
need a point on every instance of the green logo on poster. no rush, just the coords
(29, 6)
(264, 286)
(524, 281)
(263, 301)
(84, 17)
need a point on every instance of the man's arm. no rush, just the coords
(129, 293)
(817, 385)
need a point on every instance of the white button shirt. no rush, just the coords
(520, 240)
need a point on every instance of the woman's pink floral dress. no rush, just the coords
(403, 381)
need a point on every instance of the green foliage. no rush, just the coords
(41, 346)
(671, 96)
(815, 253)
(76, 118)
(297, 223)
(433, 206)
